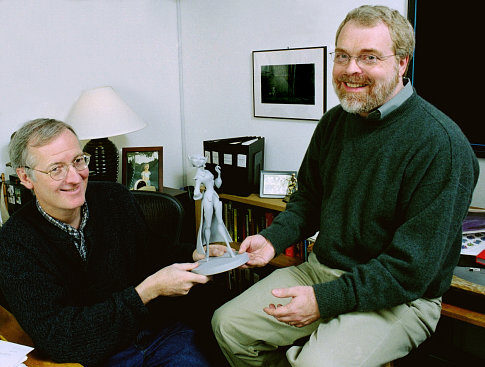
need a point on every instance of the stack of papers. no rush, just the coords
(12, 354)
(473, 240)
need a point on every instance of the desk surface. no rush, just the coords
(467, 286)
(465, 290)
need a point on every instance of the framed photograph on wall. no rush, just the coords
(142, 168)
(274, 184)
(290, 83)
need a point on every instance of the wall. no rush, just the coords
(52, 50)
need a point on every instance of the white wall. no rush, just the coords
(51, 50)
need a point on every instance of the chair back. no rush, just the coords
(163, 213)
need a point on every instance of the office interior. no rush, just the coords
(184, 66)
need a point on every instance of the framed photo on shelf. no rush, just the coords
(142, 168)
(290, 83)
(274, 184)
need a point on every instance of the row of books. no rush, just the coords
(241, 279)
(301, 250)
(243, 220)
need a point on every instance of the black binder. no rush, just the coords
(241, 160)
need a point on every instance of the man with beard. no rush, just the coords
(386, 180)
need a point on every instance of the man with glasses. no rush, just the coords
(386, 180)
(78, 268)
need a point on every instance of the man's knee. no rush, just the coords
(220, 320)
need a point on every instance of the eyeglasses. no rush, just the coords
(342, 58)
(59, 171)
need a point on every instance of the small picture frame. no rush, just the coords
(274, 184)
(142, 168)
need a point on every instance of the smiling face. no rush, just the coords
(60, 199)
(362, 89)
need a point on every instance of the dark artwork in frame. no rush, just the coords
(288, 84)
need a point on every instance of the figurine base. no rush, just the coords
(220, 264)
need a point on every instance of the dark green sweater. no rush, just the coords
(388, 197)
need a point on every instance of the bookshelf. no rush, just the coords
(255, 200)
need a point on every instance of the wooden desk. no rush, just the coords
(11, 330)
(462, 313)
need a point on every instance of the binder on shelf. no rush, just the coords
(241, 160)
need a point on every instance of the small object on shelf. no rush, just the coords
(274, 184)
(292, 187)
(481, 258)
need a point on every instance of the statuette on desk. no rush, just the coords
(212, 228)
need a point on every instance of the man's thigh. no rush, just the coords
(368, 338)
(243, 317)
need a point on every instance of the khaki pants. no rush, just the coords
(250, 337)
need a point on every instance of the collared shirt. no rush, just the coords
(394, 102)
(76, 234)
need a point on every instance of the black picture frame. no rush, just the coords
(142, 168)
(290, 83)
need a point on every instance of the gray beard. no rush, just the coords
(377, 96)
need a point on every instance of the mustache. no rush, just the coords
(355, 79)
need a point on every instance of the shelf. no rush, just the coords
(282, 261)
(255, 200)
(462, 314)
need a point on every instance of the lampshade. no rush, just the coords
(101, 113)
(98, 114)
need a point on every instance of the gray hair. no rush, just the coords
(34, 133)
(401, 31)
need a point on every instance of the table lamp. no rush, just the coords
(98, 114)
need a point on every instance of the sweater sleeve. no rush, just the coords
(407, 268)
(425, 246)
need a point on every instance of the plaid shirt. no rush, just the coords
(77, 234)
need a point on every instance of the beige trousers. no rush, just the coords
(250, 337)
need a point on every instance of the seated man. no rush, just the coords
(78, 266)
(386, 180)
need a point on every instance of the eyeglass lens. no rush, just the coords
(59, 172)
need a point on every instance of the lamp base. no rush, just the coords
(104, 160)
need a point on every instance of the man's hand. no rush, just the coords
(259, 249)
(173, 280)
(302, 309)
(214, 250)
